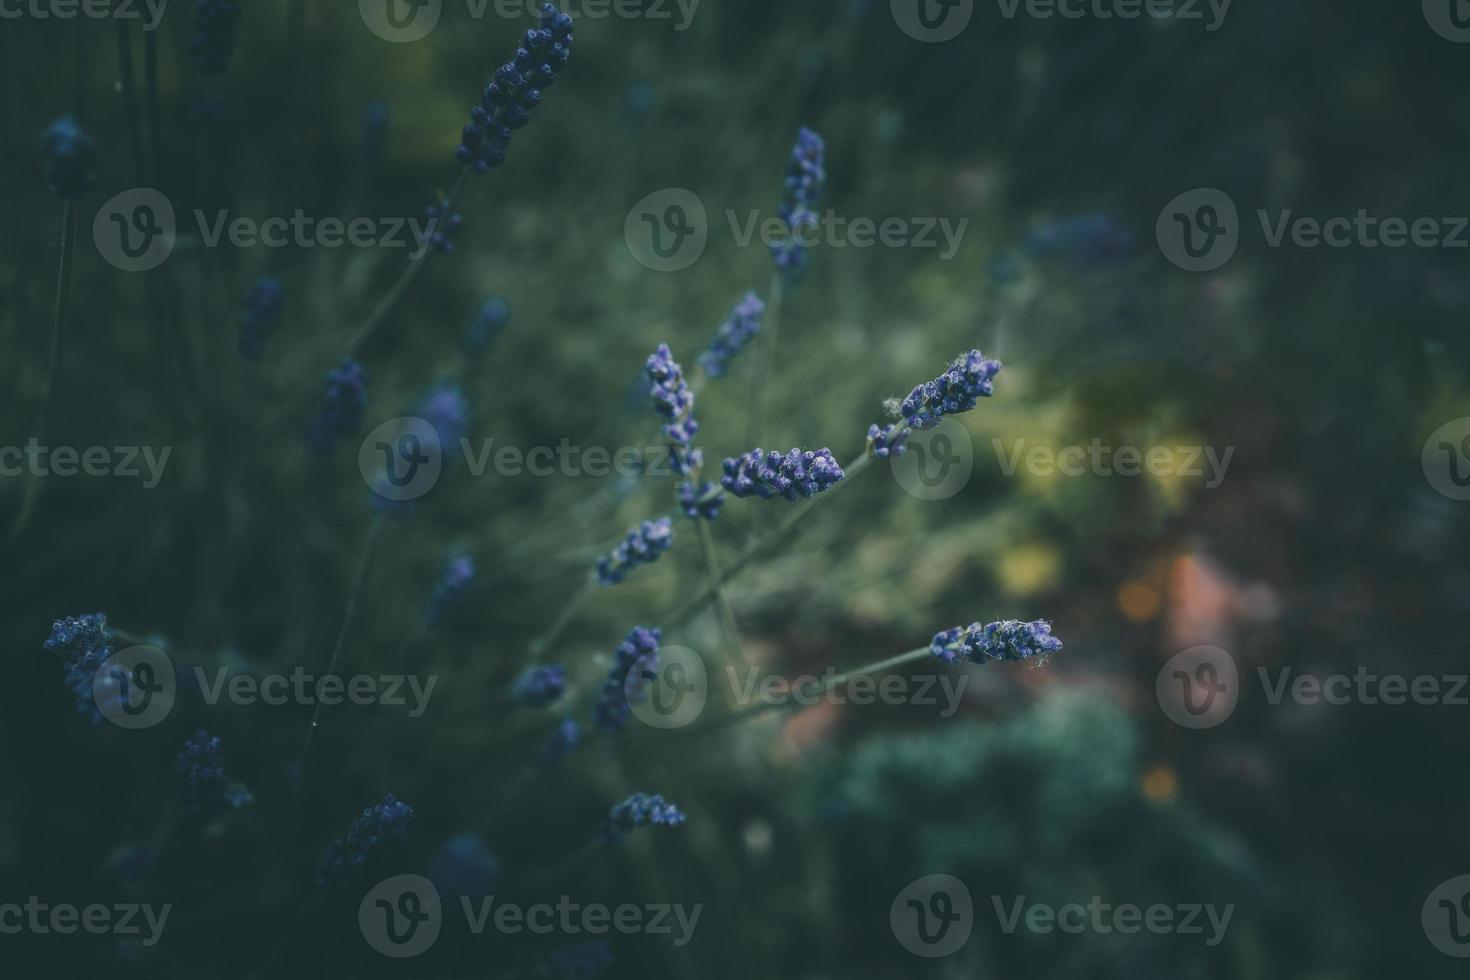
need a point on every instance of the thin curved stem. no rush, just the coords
(727, 615)
(554, 632)
(742, 715)
(370, 550)
(294, 402)
(59, 332)
(760, 383)
(765, 540)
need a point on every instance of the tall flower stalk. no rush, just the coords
(69, 159)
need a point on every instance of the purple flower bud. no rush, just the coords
(795, 476)
(644, 545)
(1008, 640)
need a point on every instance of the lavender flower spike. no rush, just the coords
(263, 305)
(205, 787)
(70, 157)
(968, 378)
(644, 545)
(738, 330)
(674, 403)
(805, 178)
(343, 409)
(884, 443)
(458, 576)
(640, 810)
(565, 738)
(795, 476)
(636, 659)
(1008, 640)
(516, 90)
(541, 686)
(370, 834)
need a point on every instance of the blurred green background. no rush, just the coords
(1324, 548)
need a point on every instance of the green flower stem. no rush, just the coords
(727, 615)
(59, 332)
(793, 517)
(546, 640)
(770, 337)
(150, 102)
(740, 716)
(370, 550)
(128, 90)
(295, 402)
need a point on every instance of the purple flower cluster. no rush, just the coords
(885, 442)
(805, 177)
(968, 378)
(343, 408)
(516, 90)
(674, 402)
(84, 643)
(644, 545)
(625, 686)
(640, 810)
(733, 336)
(540, 686)
(213, 41)
(447, 410)
(565, 738)
(370, 834)
(795, 476)
(701, 501)
(70, 156)
(458, 576)
(263, 305)
(205, 787)
(1006, 640)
